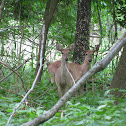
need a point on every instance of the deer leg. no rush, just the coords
(66, 89)
(82, 90)
(86, 88)
(59, 91)
(52, 76)
(76, 94)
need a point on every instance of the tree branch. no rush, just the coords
(47, 19)
(26, 95)
(96, 68)
(99, 18)
(100, 24)
(36, 78)
(12, 70)
(16, 69)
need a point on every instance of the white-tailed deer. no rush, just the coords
(62, 77)
(80, 70)
(77, 70)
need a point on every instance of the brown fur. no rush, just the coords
(62, 77)
(77, 70)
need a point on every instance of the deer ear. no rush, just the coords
(96, 48)
(72, 46)
(59, 47)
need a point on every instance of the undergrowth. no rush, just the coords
(89, 109)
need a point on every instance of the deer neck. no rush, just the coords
(64, 64)
(64, 72)
(86, 65)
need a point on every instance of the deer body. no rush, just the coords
(80, 70)
(62, 77)
(52, 68)
(77, 70)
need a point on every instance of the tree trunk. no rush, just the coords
(49, 13)
(82, 30)
(119, 78)
(1, 8)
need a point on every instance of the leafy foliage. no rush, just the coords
(88, 109)
(91, 110)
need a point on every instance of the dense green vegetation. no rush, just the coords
(89, 109)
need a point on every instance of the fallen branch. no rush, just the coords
(36, 78)
(96, 68)
(14, 72)
(42, 94)
(15, 69)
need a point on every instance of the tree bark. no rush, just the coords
(1, 9)
(119, 78)
(49, 13)
(82, 30)
(96, 68)
(114, 20)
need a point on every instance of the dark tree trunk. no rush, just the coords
(82, 30)
(1, 8)
(119, 78)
